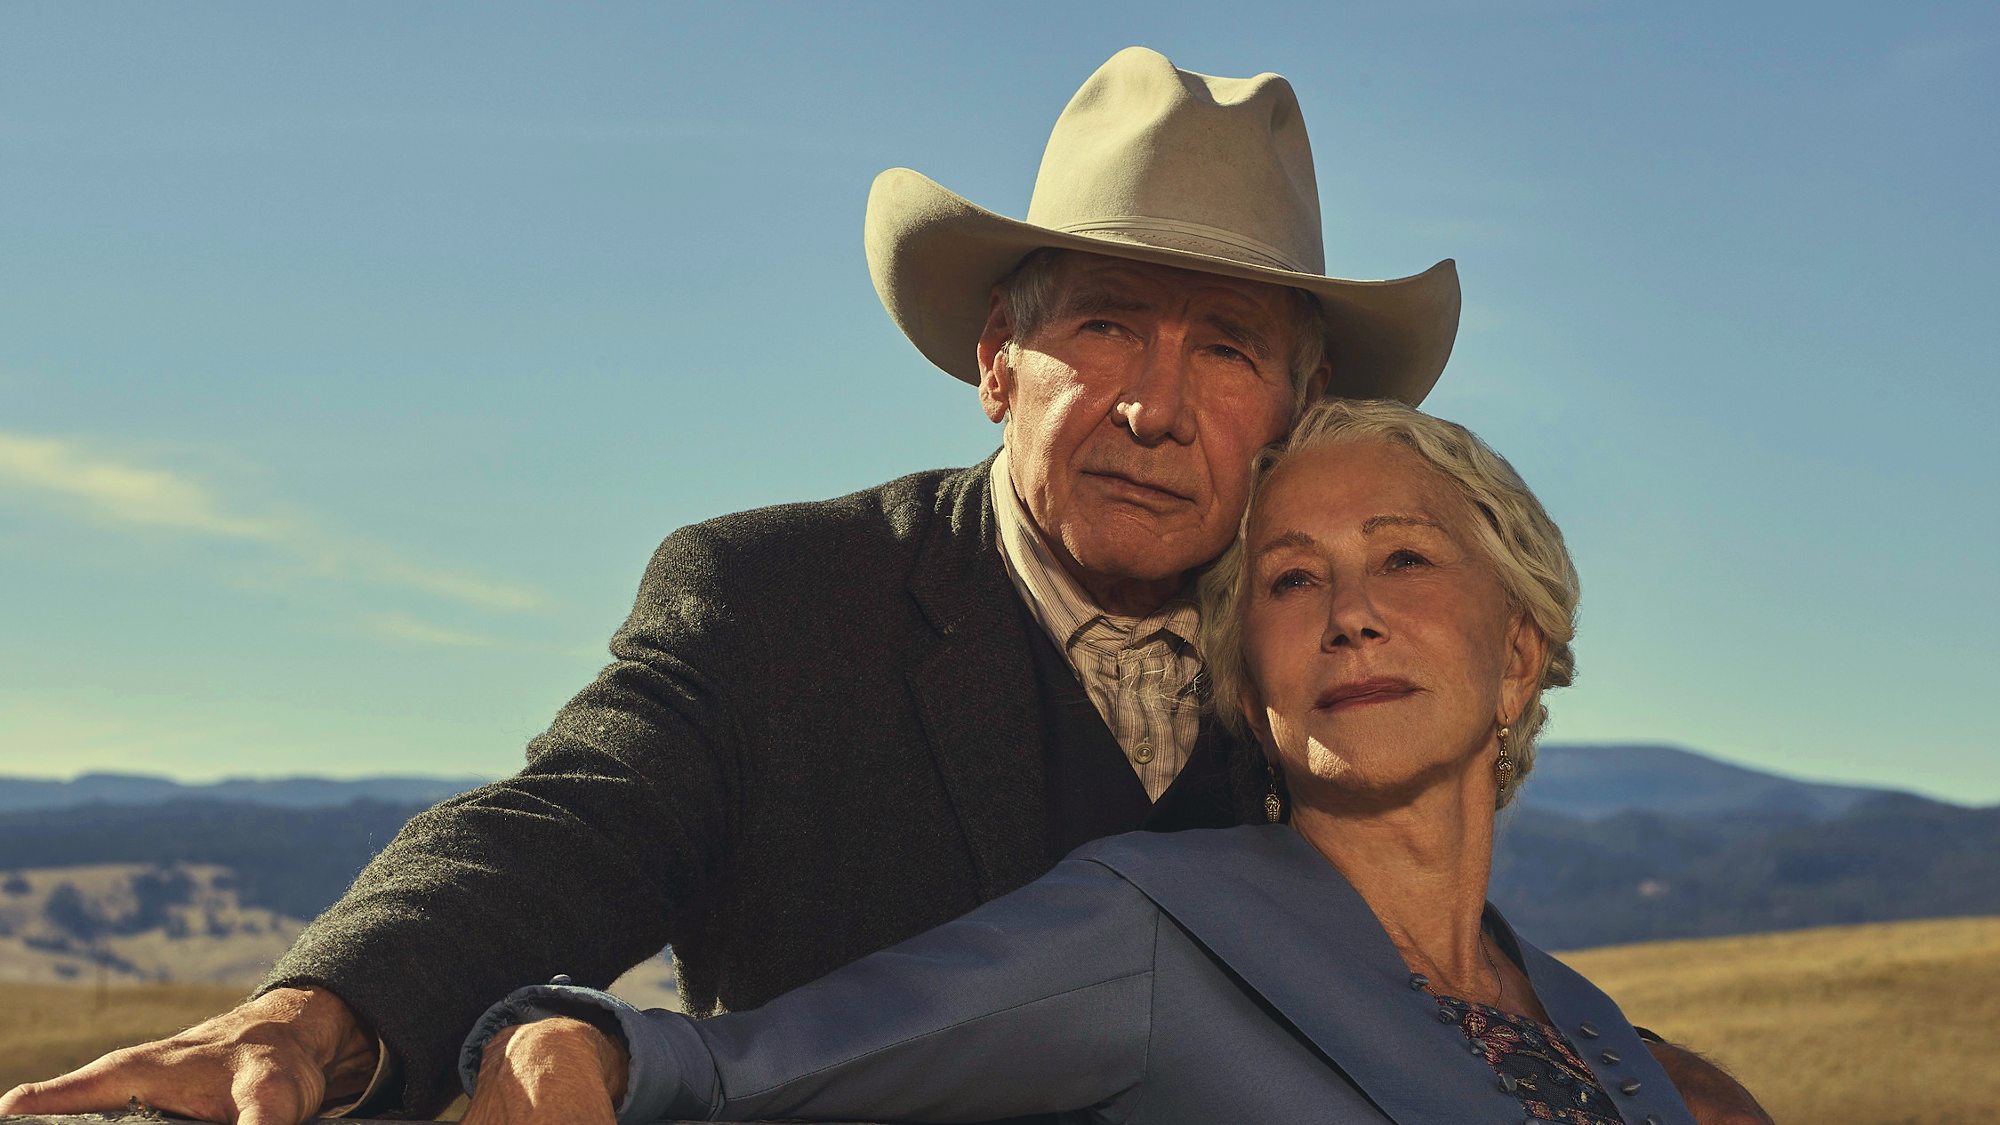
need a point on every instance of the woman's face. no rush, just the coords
(1382, 652)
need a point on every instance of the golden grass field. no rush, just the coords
(1855, 1025)
(1851, 1025)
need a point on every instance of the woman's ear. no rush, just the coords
(1527, 658)
(1258, 720)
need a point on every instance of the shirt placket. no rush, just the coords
(1139, 678)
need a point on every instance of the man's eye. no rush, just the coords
(1099, 326)
(1404, 560)
(1224, 351)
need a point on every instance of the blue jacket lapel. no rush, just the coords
(1592, 1023)
(1287, 925)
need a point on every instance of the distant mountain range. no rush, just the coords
(1589, 782)
(20, 794)
(1643, 876)
(1608, 844)
(1592, 782)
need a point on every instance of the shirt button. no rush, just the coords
(1144, 754)
(1589, 1030)
(1629, 1087)
(559, 978)
(1610, 1058)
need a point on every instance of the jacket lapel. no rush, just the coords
(1592, 1023)
(1283, 922)
(974, 687)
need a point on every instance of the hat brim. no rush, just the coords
(935, 256)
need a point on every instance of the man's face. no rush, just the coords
(1132, 414)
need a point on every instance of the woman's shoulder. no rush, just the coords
(1269, 845)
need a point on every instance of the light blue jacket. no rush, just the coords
(1190, 977)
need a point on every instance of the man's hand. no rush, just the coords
(557, 1070)
(269, 1061)
(1715, 1097)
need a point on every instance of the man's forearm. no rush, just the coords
(1715, 1097)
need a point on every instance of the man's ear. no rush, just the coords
(1527, 655)
(1317, 381)
(996, 378)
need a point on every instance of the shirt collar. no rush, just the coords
(1059, 603)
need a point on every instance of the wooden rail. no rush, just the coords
(139, 1118)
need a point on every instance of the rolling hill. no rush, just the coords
(1591, 782)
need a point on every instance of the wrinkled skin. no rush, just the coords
(558, 1070)
(1131, 415)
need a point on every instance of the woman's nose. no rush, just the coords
(1351, 617)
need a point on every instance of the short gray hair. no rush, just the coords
(1028, 292)
(1516, 535)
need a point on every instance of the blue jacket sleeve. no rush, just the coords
(1037, 1002)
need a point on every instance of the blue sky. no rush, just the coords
(354, 357)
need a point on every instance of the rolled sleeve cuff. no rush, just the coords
(373, 1097)
(671, 1075)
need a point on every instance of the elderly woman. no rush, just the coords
(1384, 627)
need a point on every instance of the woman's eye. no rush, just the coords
(1290, 580)
(1404, 560)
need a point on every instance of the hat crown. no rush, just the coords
(1152, 155)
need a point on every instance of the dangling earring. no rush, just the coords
(1273, 807)
(1503, 766)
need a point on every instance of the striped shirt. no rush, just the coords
(1142, 673)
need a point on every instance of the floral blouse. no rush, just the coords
(1535, 1064)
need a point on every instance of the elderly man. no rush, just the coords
(830, 726)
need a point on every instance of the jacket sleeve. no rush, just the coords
(1037, 1002)
(599, 852)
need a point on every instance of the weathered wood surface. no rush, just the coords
(142, 1118)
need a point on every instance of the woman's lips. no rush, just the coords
(1362, 693)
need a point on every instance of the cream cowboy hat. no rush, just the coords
(1161, 165)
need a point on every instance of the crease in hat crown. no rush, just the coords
(1165, 166)
(1153, 155)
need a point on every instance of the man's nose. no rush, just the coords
(1352, 618)
(1155, 407)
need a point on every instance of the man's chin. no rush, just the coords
(1146, 558)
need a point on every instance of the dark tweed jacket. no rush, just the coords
(820, 736)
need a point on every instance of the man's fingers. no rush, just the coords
(107, 1083)
(167, 1077)
(18, 1099)
(267, 1092)
(259, 1115)
(263, 1062)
